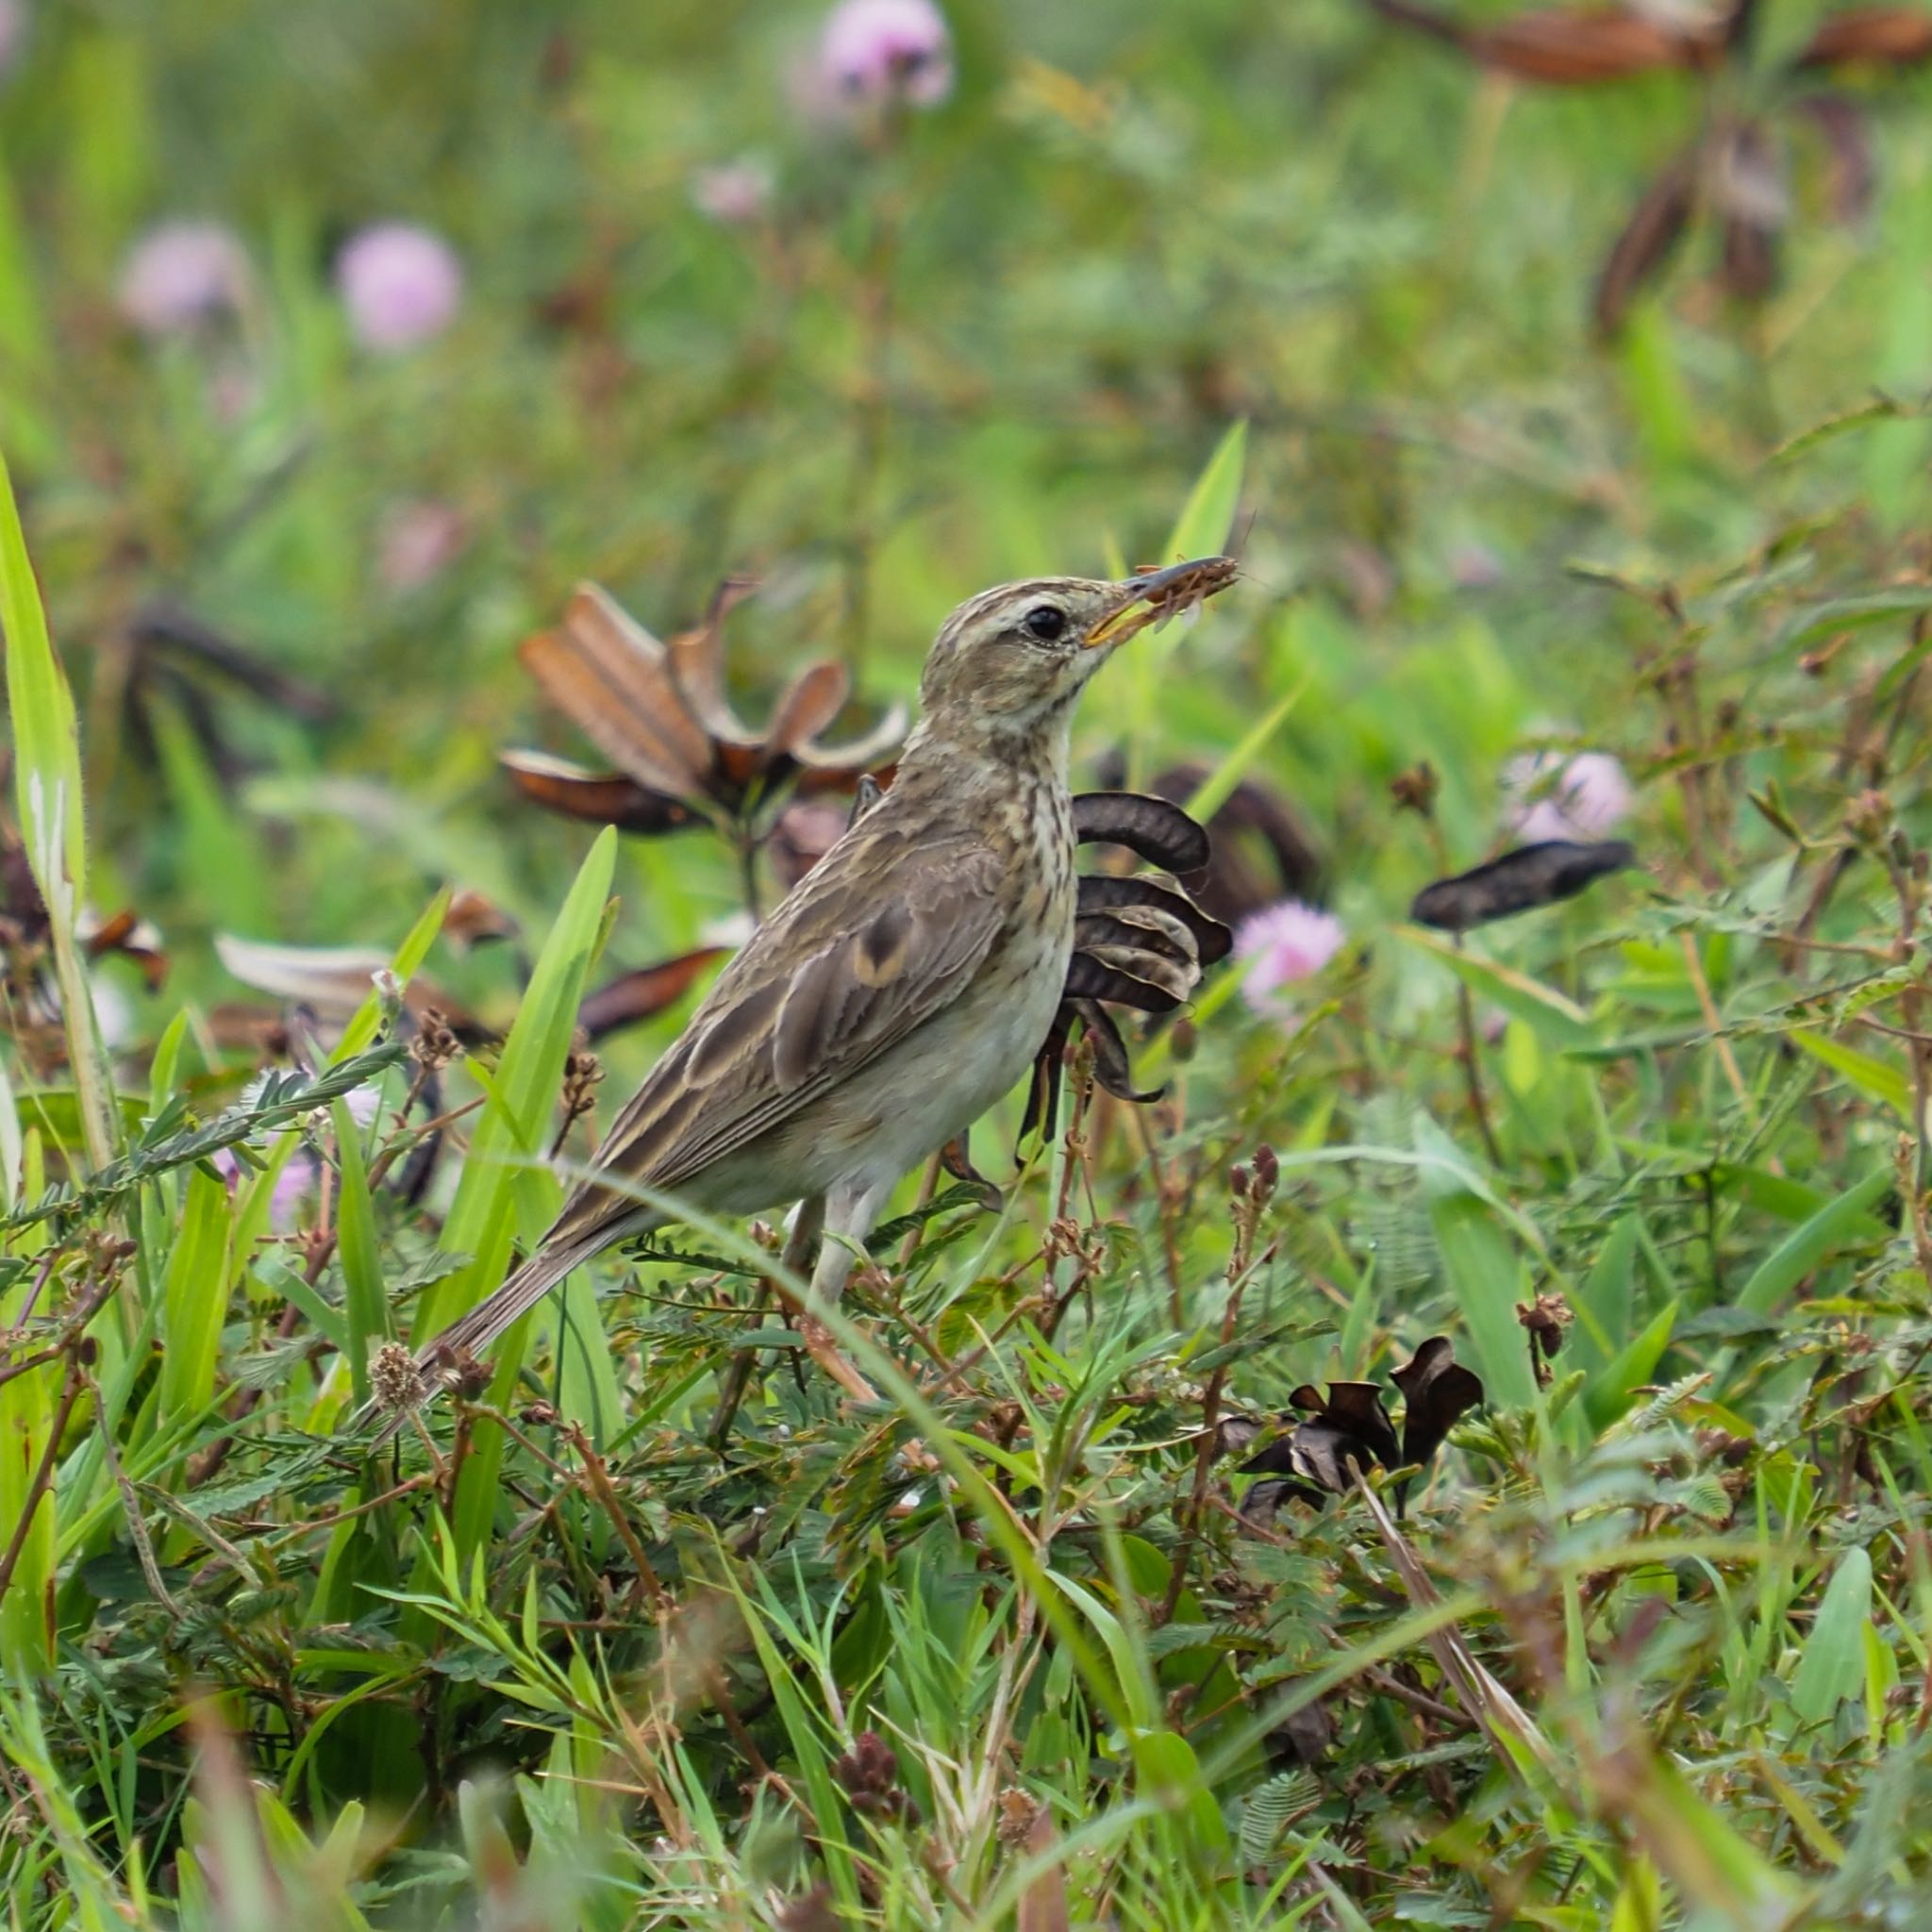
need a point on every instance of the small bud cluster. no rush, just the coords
(395, 1379)
(436, 1044)
(1545, 1319)
(869, 1776)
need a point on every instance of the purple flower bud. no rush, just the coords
(417, 541)
(1584, 799)
(734, 192)
(182, 275)
(882, 50)
(13, 30)
(401, 285)
(1284, 942)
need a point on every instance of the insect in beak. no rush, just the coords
(1155, 596)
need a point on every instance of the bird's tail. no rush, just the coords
(442, 1359)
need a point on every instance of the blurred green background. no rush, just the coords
(903, 356)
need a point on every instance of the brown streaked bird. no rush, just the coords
(903, 985)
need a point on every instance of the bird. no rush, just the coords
(903, 985)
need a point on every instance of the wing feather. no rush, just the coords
(883, 933)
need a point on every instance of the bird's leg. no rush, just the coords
(850, 1212)
(807, 1219)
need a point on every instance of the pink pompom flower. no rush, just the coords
(1585, 798)
(733, 193)
(1284, 944)
(402, 285)
(183, 275)
(13, 30)
(888, 50)
(417, 541)
(301, 1174)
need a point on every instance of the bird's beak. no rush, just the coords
(1160, 594)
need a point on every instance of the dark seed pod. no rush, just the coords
(1112, 1066)
(1519, 881)
(1437, 1392)
(1161, 833)
(1213, 941)
(1043, 1092)
(1092, 979)
(1140, 929)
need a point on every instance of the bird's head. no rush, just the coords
(1013, 659)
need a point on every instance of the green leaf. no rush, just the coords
(365, 1302)
(1215, 789)
(1611, 1390)
(1874, 1078)
(1559, 1022)
(500, 1192)
(1831, 1660)
(1804, 1248)
(195, 1300)
(1489, 1280)
(47, 790)
(1207, 521)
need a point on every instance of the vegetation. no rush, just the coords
(975, 1614)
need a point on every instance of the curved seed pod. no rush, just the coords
(1213, 941)
(1088, 978)
(1043, 1091)
(1112, 1066)
(1437, 1390)
(1142, 928)
(608, 675)
(1147, 966)
(697, 663)
(809, 703)
(1530, 876)
(872, 748)
(607, 798)
(1161, 833)
(1658, 223)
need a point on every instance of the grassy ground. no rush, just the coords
(1008, 1643)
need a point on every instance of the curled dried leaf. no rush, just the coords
(640, 994)
(1437, 1392)
(606, 798)
(1519, 881)
(1655, 225)
(1871, 36)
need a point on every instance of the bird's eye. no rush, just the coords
(1046, 621)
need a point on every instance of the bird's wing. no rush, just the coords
(883, 933)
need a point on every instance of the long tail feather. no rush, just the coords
(440, 1358)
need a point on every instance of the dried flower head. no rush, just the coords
(394, 1380)
(659, 712)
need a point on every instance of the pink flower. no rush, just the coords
(1581, 800)
(401, 285)
(182, 275)
(1284, 942)
(882, 50)
(733, 193)
(14, 24)
(417, 541)
(301, 1174)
